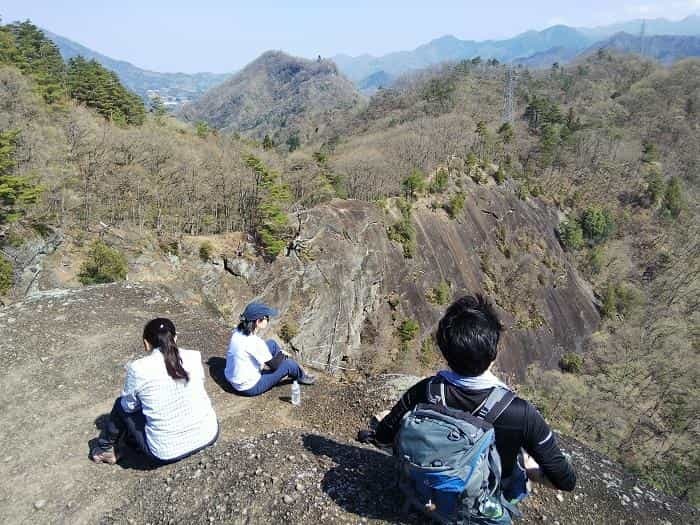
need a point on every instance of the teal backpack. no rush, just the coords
(449, 467)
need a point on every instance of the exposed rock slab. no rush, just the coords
(339, 289)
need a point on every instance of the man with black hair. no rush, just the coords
(468, 336)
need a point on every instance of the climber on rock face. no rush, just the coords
(164, 409)
(468, 336)
(254, 366)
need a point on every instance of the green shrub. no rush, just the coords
(205, 251)
(440, 294)
(609, 307)
(571, 234)
(103, 265)
(403, 231)
(628, 298)
(506, 133)
(414, 184)
(408, 330)
(267, 143)
(621, 298)
(673, 198)
(500, 175)
(6, 275)
(655, 186)
(289, 331)
(439, 183)
(429, 352)
(202, 129)
(455, 205)
(522, 191)
(649, 152)
(571, 362)
(293, 143)
(597, 224)
(595, 260)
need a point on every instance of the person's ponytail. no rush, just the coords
(160, 333)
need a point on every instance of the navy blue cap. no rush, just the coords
(255, 311)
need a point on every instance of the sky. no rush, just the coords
(222, 36)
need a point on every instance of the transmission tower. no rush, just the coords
(642, 32)
(508, 96)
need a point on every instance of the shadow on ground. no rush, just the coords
(217, 366)
(363, 481)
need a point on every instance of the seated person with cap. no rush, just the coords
(254, 366)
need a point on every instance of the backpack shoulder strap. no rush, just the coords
(498, 400)
(436, 392)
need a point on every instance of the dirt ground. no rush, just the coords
(63, 356)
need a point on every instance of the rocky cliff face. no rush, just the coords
(349, 287)
(345, 289)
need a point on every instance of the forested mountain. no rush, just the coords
(597, 169)
(291, 100)
(179, 86)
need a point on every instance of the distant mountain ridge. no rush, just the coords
(280, 96)
(450, 48)
(664, 48)
(688, 26)
(177, 87)
(558, 43)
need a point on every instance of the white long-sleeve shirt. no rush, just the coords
(179, 414)
(246, 356)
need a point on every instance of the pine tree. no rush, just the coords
(98, 88)
(270, 221)
(38, 57)
(16, 191)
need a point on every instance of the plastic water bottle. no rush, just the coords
(296, 394)
(491, 509)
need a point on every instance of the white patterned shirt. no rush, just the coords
(179, 415)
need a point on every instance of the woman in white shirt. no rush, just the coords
(164, 409)
(254, 366)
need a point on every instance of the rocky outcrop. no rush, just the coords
(27, 259)
(344, 288)
(350, 287)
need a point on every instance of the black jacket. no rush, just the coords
(519, 426)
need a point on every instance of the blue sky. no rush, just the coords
(222, 36)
